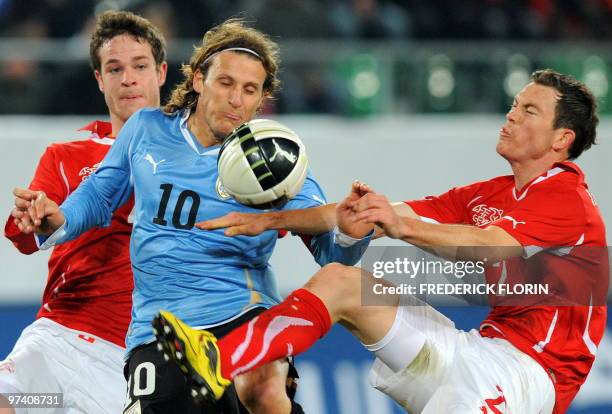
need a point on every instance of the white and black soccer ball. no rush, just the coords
(262, 164)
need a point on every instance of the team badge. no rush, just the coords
(87, 171)
(484, 215)
(223, 195)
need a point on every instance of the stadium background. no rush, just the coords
(405, 95)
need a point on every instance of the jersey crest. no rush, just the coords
(483, 215)
(221, 192)
(87, 171)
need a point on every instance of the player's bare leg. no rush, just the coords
(262, 391)
(383, 329)
(339, 287)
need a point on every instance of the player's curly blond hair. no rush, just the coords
(232, 33)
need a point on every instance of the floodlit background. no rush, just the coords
(407, 95)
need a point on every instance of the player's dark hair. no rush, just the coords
(114, 23)
(232, 33)
(576, 108)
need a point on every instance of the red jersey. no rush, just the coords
(89, 287)
(553, 210)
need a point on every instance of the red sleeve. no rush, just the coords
(447, 208)
(48, 179)
(546, 219)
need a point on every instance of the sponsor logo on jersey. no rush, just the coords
(484, 215)
(149, 158)
(223, 195)
(514, 221)
(87, 171)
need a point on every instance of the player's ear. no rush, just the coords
(564, 139)
(162, 71)
(99, 79)
(198, 80)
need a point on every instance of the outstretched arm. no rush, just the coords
(308, 221)
(91, 204)
(449, 241)
(315, 225)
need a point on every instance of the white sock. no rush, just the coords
(398, 348)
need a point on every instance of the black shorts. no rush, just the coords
(156, 386)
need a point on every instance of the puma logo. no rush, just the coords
(149, 158)
(514, 221)
(287, 155)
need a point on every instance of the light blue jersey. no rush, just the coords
(204, 277)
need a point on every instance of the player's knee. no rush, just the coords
(339, 285)
(337, 276)
(266, 397)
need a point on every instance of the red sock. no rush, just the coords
(289, 328)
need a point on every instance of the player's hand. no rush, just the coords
(35, 213)
(378, 233)
(239, 224)
(374, 208)
(345, 215)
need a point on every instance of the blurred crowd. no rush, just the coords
(26, 85)
(366, 19)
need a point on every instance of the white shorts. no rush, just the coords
(459, 372)
(50, 358)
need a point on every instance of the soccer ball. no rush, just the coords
(262, 164)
